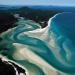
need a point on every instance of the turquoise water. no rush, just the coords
(53, 45)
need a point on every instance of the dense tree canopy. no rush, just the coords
(7, 21)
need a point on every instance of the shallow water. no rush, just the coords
(47, 51)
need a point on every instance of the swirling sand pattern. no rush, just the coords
(42, 51)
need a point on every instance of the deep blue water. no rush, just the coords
(65, 23)
(39, 7)
(57, 8)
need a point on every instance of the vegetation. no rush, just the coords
(40, 16)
